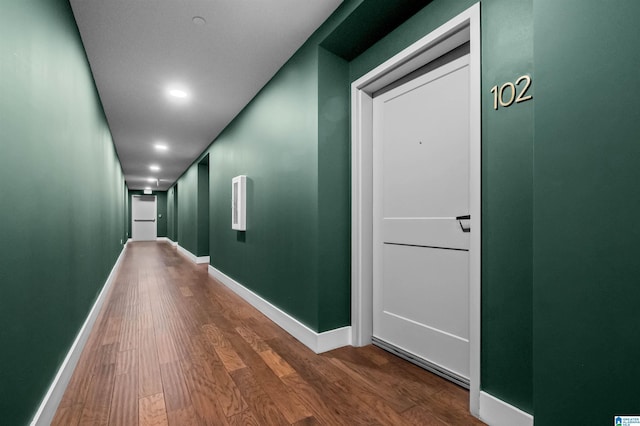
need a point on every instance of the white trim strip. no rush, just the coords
(437, 330)
(496, 412)
(192, 257)
(317, 342)
(50, 402)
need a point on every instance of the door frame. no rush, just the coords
(155, 212)
(461, 29)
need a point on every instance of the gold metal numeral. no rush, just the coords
(494, 90)
(498, 92)
(521, 96)
(501, 94)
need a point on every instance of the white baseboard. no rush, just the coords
(191, 256)
(165, 239)
(50, 402)
(496, 412)
(317, 342)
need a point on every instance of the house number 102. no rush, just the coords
(505, 95)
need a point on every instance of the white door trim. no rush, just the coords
(461, 29)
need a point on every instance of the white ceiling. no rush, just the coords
(139, 48)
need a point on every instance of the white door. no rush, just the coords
(143, 218)
(421, 251)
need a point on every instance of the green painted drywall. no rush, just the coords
(587, 157)
(203, 207)
(62, 198)
(171, 212)
(188, 210)
(507, 203)
(334, 194)
(367, 23)
(274, 142)
(162, 213)
(507, 192)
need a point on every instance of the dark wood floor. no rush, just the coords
(173, 346)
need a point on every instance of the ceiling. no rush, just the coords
(220, 53)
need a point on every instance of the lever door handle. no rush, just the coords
(460, 219)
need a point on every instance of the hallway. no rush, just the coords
(173, 346)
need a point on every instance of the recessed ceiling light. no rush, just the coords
(151, 179)
(178, 93)
(199, 20)
(154, 168)
(161, 147)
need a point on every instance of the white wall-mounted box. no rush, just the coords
(239, 203)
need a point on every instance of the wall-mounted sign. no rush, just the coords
(239, 203)
(510, 93)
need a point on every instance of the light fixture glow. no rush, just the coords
(177, 93)
(151, 179)
(154, 168)
(161, 147)
(199, 20)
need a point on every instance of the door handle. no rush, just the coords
(144, 220)
(460, 219)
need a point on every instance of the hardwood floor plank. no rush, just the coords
(204, 397)
(276, 363)
(309, 421)
(149, 381)
(246, 418)
(315, 401)
(176, 394)
(129, 336)
(186, 291)
(152, 412)
(229, 357)
(256, 342)
(68, 415)
(172, 346)
(124, 403)
(262, 406)
(98, 403)
(167, 352)
(127, 362)
(183, 416)
(367, 379)
(286, 399)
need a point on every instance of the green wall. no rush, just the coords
(334, 193)
(172, 213)
(203, 207)
(587, 157)
(62, 197)
(188, 210)
(162, 212)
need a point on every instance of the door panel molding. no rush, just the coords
(459, 30)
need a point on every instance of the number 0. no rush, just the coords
(513, 94)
